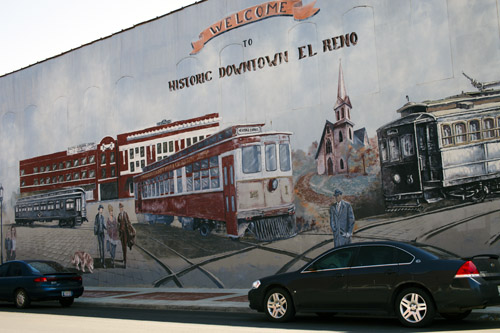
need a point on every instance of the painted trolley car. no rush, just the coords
(236, 180)
(444, 148)
(68, 206)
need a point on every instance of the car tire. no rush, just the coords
(279, 305)
(456, 316)
(415, 308)
(66, 302)
(21, 299)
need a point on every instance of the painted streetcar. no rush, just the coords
(236, 180)
(443, 148)
(68, 206)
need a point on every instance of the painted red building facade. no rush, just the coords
(105, 170)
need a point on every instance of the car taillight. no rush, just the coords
(468, 269)
(40, 279)
(77, 278)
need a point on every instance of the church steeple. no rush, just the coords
(342, 98)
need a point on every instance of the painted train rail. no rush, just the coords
(439, 149)
(237, 180)
(68, 206)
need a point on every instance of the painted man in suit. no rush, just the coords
(341, 220)
(99, 227)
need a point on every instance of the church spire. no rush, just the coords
(342, 97)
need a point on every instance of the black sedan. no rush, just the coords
(38, 280)
(412, 281)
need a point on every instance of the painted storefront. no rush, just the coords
(223, 132)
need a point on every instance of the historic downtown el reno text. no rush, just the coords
(307, 51)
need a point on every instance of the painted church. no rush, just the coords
(339, 139)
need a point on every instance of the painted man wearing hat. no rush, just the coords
(99, 227)
(341, 220)
(126, 232)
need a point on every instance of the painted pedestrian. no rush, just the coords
(126, 232)
(8, 245)
(13, 240)
(99, 227)
(112, 229)
(341, 220)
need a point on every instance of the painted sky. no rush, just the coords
(35, 30)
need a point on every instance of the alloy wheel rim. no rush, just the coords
(277, 305)
(20, 298)
(413, 308)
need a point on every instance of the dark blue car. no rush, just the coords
(38, 280)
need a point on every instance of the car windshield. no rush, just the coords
(47, 267)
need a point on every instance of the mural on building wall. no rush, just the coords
(324, 124)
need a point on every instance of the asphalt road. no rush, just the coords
(50, 317)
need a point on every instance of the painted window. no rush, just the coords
(171, 181)
(142, 151)
(407, 145)
(112, 157)
(171, 147)
(474, 131)
(394, 149)
(165, 147)
(251, 159)
(76, 162)
(84, 160)
(350, 134)
(188, 142)
(329, 148)
(132, 167)
(103, 158)
(341, 164)
(271, 161)
(460, 133)
(205, 175)
(35, 170)
(447, 135)
(189, 177)
(92, 159)
(196, 176)
(131, 153)
(214, 172)
(92, 173)
(488, 125)
(179, 180)
(76, 176)
(341, 136)
(285, 160)
(158, 148)
(68, 164)
(113, 172)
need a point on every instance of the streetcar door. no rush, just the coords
(229, 195)
(429, 158)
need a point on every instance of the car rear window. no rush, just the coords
(47, 267)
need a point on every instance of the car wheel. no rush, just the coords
(279, 306)
(415, 308)
(66, 302)
(205, 229)
(456, 315)
(21, 299)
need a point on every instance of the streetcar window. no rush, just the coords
(460, 133)
(58, 206)
(407, 145)
(196, 166)
(156, 188)
(70, 204)
(271, 162)
(394, 148)
(251, 159)
(171, 177)
(189, 177)
(179, 181)
(474, 133)
(488, 125)
(285, 164)
(204, 164)
(196, 178)
(214, 172)
(205, 180)
(447, 136)
(112, 157)
(162, 186)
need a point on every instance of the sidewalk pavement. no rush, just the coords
(207, 299)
